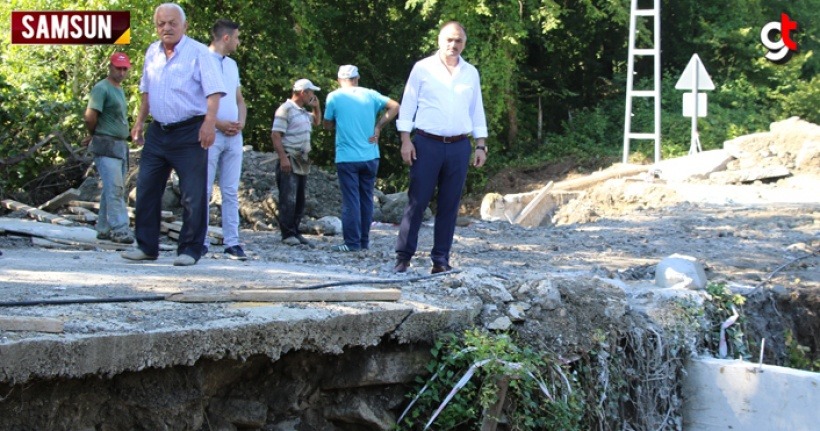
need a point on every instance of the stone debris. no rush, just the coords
(790, 146)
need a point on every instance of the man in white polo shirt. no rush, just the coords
(225, 156)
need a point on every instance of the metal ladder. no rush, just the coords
(655, 51)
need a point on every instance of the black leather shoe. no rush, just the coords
(401, 266)
(440, 268)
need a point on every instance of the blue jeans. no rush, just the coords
(179, 150)
(356, 181)
(225, 158)
(113, 212)
(437, 166)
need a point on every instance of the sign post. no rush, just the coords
(694, 78)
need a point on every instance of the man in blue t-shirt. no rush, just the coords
(353, 110)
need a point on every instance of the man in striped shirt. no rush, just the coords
(290, 134)
(181, 86)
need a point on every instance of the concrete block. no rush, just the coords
(724, 394)
(496, 207)
(680, 271)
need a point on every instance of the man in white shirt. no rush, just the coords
(442, 101)
(225, 156)
(181, 86)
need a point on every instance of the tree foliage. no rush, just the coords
(553, 71)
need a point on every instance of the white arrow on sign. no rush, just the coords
(695, 75)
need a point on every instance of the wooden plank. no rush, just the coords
(36, 213)
(533, 214)
(60, 200)
(85, 204)
(290, 295)
(82, 218)
(174, 235)
(167, 216)
(176, 226)
(25, 323)
(68, 244)
(81, 211)
(494, 412)
(81, 214)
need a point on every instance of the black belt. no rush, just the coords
(445, 139)
(172, 126)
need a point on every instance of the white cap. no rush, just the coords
(348, 71)
(304, 84)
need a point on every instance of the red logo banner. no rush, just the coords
(71, 27)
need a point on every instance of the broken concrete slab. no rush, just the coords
(693, 166)
(537, 210)
(495, 207)
(530, 209)
(729, 394)
(750, 175)
(46, 230)
(111, 338)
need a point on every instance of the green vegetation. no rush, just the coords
(799, 356)
(630, 379)
(719, 309)
(553, 73)
(542, 394)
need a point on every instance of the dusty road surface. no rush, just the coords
(764, 235)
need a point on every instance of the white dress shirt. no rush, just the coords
(440, 103)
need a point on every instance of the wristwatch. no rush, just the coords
(482, 148)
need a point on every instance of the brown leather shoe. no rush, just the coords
(401, 266)
(440, 268)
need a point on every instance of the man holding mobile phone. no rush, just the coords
(290, 135)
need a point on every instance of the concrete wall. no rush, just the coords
(729, 395)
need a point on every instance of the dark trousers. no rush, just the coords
(356, 181)
(442, 166)
(292, 189)
(180, 150)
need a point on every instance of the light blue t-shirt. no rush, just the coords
(354, 109)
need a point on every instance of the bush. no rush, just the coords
(492, 356)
